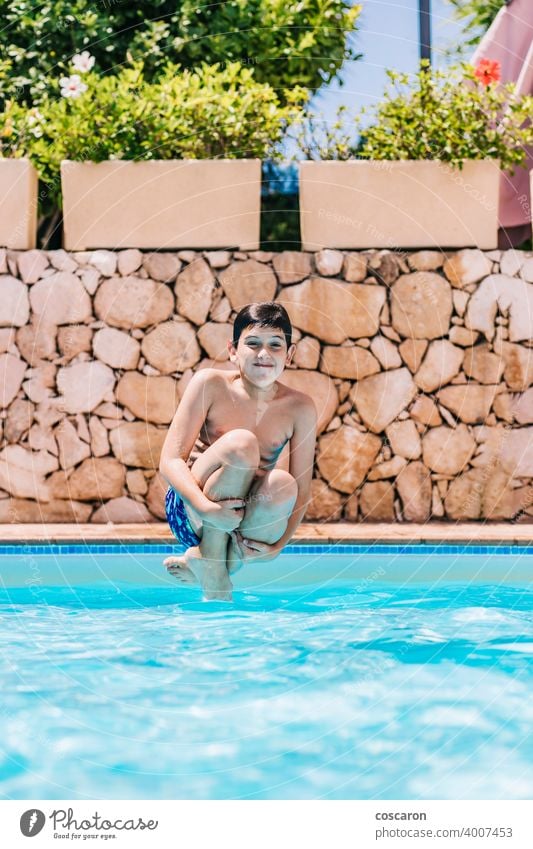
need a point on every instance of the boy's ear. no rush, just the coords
(232, 350)
(290, 352)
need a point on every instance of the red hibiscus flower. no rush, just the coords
(488, 71)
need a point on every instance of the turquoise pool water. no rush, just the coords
(332, 675)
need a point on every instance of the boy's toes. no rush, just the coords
(176, 566)
(184, 576)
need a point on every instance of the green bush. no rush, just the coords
(286, 42)
(320, 139)
(450, 115)
(209, 113)
(477, 16)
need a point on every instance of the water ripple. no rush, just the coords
(141, 693)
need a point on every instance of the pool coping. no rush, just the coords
(307, 534)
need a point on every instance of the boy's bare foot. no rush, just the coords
(211, 575)
(177, 567)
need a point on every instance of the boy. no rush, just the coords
(231, 505)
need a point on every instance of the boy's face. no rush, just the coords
(261, 354)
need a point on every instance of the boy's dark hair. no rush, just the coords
(265, 314)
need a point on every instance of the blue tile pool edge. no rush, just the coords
(121, 547)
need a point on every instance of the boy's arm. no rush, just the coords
(302, 457)
(182, 434)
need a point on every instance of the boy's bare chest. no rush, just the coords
(271, 421)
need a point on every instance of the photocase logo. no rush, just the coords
(32, 822)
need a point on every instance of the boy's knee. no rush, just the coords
(241, 448)
(282, 486)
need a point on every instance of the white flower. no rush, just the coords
(34, 121)
(83, 62)
(72, 86)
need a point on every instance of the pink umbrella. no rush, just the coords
(510, 41)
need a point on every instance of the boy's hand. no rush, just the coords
(225, 515)
(251, 549)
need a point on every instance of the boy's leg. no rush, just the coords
(225, 470)
(269, 504)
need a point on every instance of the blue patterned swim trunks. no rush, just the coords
(178, 520)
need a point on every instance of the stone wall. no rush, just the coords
(420, 364)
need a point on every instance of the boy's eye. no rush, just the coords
(253, 343)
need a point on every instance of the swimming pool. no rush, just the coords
(350, 672)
